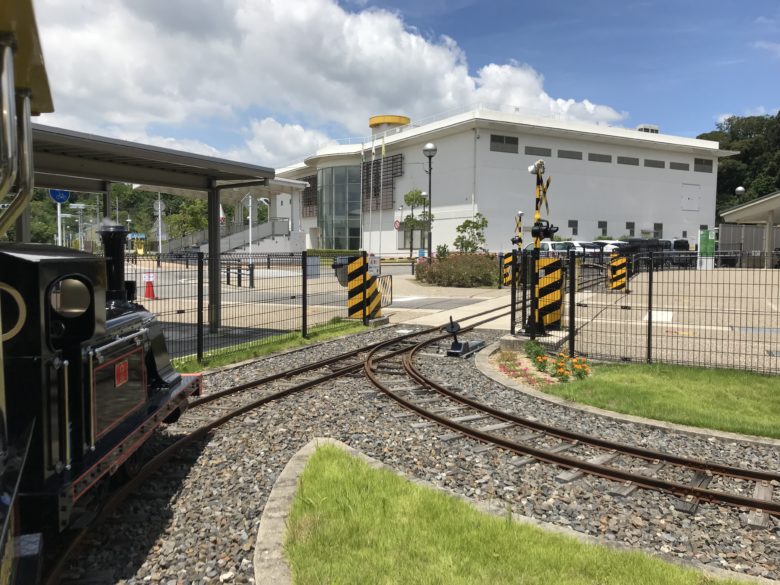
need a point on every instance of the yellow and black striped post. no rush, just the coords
(518, 240)
(506, 269)
(549, 292)
(364, 298)
(535, 325)
(618, 271)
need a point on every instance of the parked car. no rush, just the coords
(607, 246)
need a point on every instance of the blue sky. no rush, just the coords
(679, 64)
(271, 81)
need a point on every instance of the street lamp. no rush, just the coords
(429, 150)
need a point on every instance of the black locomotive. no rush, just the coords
(87, 377)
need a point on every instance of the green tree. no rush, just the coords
(756, 167)
(412, 223)
(471, 234)
(190, 217)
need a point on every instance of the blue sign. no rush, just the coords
(59, 196)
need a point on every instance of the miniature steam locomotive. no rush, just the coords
(87, 377)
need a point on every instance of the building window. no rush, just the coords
(702, 165)
(338, 207)
(603, 227)
(628, 160)
(658, 230)
(630, 228)
(595, 157)
(685, 233)
(573, 154)
(538, 151)
(573, 226)
(500, 143)
(703, 227)
(655, 164)
(675, 166)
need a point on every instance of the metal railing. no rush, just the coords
(677, 308)
(265, 297)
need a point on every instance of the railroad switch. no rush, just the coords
(461, 348)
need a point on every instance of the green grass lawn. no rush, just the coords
(354, 524)
(251, 350)
(726, 400)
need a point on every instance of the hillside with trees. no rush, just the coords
(756, 167)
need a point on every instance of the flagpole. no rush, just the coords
(371, 201)
(362, 164)
(381, 193)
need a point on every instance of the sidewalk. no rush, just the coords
(421, 304)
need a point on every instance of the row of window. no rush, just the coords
(510, 144)
(658, 228)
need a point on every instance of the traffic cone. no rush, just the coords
(149, 292)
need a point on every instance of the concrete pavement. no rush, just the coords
(416, 303)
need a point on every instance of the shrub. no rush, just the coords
(460, 270)
(442, 251)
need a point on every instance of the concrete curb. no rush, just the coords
(483, 365)
(270, 564)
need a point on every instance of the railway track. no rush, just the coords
(207, 413)
(689, 481)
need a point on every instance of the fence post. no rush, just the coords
(513, 294)
(572, 292)
(227, 272)
(523, 279)
(159, 261)
(365, 284)
(500, 269)
(240, 266)
(534, 298)
(200, 307)
(251, 273)
(304, 293)
(650, 310)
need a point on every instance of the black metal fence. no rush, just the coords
(676, 308)
(264, 297)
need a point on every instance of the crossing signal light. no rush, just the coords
(543, 229)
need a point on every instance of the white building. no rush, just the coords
(605, 181)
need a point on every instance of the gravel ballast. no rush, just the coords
(196, 522)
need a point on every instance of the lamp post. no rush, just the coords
(429, 150)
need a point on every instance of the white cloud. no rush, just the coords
(123, 67)
(278, 144)
(772, 48)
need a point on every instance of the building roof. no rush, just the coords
(17, 17)
(517, 121)
(756, 211)
(84, 162)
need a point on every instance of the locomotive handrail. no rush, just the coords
(25, 164)
(8, 147)
(66, 397)
(98, 352)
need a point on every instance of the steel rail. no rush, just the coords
(55, 572)
(641, 452)
(605, 472)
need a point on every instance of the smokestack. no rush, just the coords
(114, 238)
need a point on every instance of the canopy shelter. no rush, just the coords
(232, 194)
(76, 161)
(764, 210)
